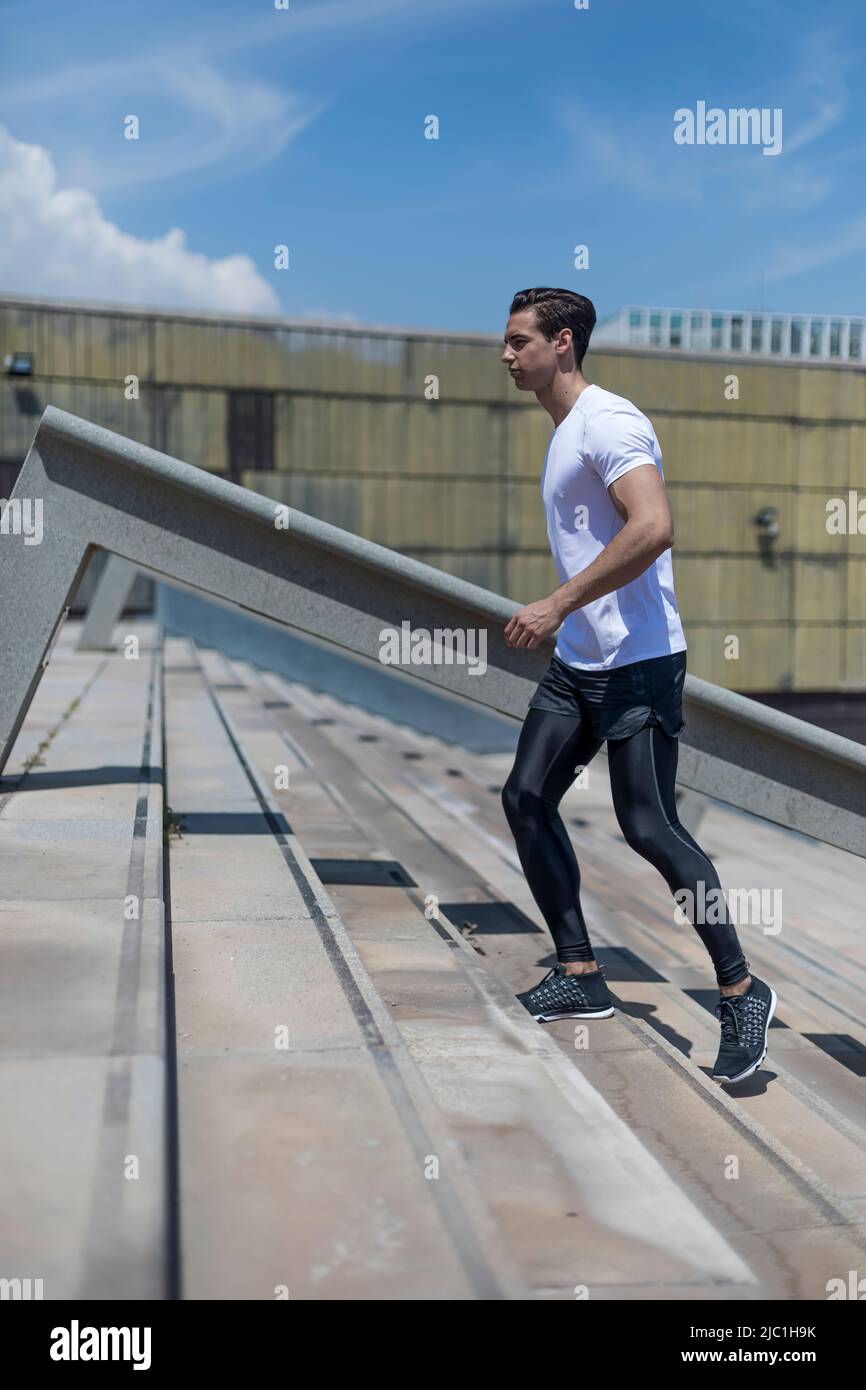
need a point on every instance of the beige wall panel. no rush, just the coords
(301, 361)
(269, 369)
(339, 362)
(304, 361)
(424, 439)
(466, 371)
(302, 433)
(525, 524)
(78, 397)
(19, 416)
(131, 348)
(418, 512)
(695, 385)
(763, 663)
(340, 505)
(723, 451)
(469, 441)
(337, 501)
(855, 581)
(277, 486)
(640, 381)
(855, 658)
(372, 520)
(527, 436)
(820, 590)
(364, 437)
(283, 424)
(64, 354)
(385, 436)
(229, 360)
(73, 396)
(100, 357)
(828, 393)
(162, 339)
(831, 456)
(476, 513)
(730, 590)
(811, 518)
(216, 415)
(529, 577)
(708, 519)
(103, 404)
(198, 356)
(113, 411)
(340, 435)
(479, 568)
(252, 360)
(857, 458)
(215, 358)
(198, 430)
(257, 367)
(26, 330)
(182, 340)
(819, 656)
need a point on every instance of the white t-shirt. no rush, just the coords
(602, 437)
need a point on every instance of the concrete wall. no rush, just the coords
(455, 481)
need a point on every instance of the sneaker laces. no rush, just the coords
(727, 1015)
(743, 1019)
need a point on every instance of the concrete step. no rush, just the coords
(518, 1104)
(82, 988)
(313, 1161)
(800, 1211)
(318, 1083)
(817, 1016)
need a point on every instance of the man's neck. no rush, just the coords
(560, 396)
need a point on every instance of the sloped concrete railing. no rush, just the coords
(99, 489)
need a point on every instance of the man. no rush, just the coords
(617, 674)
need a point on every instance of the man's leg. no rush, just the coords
(642, 780)
(550, 750)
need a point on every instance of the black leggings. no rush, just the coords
(551, 751)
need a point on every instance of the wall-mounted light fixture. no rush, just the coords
(18, 364)
(767, 523)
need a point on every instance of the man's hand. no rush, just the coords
(530, 625)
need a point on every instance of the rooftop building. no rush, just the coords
(760, 333)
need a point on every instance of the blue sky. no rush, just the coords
(306, 127)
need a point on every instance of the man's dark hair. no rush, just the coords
(556, 309)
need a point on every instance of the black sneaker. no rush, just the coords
(568, 996)
(745, 1020)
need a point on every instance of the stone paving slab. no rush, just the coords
(302, 1165)
(651, 1103)
(82, 990)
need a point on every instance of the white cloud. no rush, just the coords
(641, 157)
(790, 261)
(626, 157)
(821, 80)
(57, 241)
(228, 125)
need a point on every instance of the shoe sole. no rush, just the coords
(730, 1080)
(595, 1013)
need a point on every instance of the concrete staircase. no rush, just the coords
(301, 1071)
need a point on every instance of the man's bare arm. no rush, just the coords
(640, 498)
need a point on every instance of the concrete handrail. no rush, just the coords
(99, 489)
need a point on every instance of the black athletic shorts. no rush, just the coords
(620, 701)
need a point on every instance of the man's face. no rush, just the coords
(529, 357)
